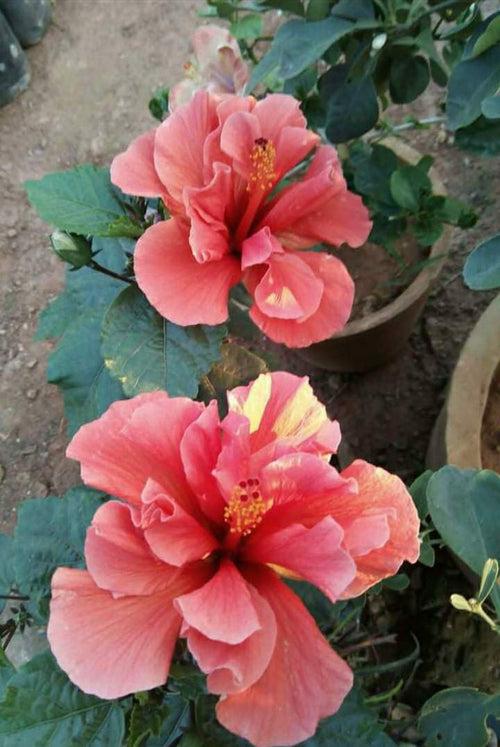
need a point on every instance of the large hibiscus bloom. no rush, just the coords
(217, 66)
(213, 514)
(218, 165)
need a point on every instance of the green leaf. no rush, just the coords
(82, 200)
(399, 582)
(247, 27)
(482, 267)
(146, 352)
(177, 720)
(427, 555)
(354, 10)
(41, 707)
(418, 491)
(187, 680)
(77, 367)
(298, 44)
(126, 227)
(317, 10)
(50, 532)
(86, 290)
(146, 718)
(488, 38)
(481, 137)
(6, 671)
(408, 78)
(458, 717)
(373, 167)
(450, 210)
(351, 105)
(354, 724)
(490, 107)
(7, 576)
(158, 104)
(408, 185)
(471, 82)
(465, 509)
(427, 230)
(488, 579)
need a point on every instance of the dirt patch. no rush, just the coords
(378, 277)
(490, 431)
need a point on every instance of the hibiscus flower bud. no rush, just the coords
(71, 248)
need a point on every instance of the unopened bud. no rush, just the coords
(71, 248)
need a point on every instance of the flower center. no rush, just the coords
(263, 158)
(246, 508)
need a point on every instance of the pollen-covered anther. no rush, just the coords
(245, 508)
(263, 158)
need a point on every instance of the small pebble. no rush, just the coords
(32, 394)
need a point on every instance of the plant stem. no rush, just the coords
(391, 129)
(14, 597)
(99, 268)
(367, 643)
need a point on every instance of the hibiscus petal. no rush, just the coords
(112, 647)
(200, 449)
(319, 208)
(179, 141)
(134, 170)
(304, 682)
(293, 145)
(233, 464)
(379, 494)
(315, 554)
(282, 122)
(237, 139)
(289, 289)
(303, 489)
(277, 111)
(180, 288)
(117, 556)
(258, 248)
(206, 208)
(173, 535)
(133, 441)
(331, 315)
(282, 406)
(221, 610)
(232, 668)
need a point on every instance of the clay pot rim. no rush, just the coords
(423, 280)
(469, 389)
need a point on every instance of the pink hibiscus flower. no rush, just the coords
(217, 67)
(216, 164)
(213, 514)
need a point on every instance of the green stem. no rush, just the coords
(481, 613)
(99, 268)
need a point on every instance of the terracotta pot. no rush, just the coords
(456, 438)
(378, 337)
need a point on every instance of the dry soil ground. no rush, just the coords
(91, 79)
